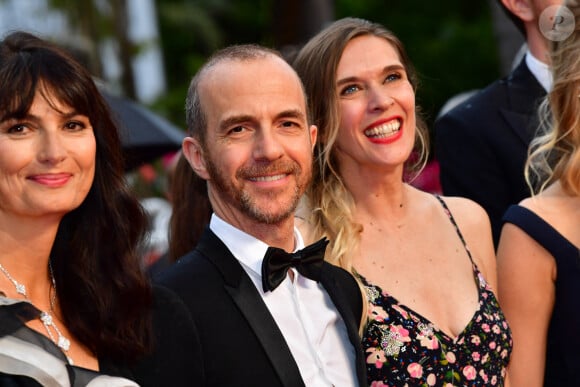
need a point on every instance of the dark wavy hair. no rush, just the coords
(191, 209)
(103, 293)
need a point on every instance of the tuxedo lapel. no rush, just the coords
(344, 306)
(245, 295)
(253, 308)
(521, 124)
(524, 94)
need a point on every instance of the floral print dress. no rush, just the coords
(403, 348)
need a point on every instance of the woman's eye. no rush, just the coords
(17, 129)
(393, 77)
(75, 125)
(349, 90)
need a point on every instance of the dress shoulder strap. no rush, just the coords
(452, 219)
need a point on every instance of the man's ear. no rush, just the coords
(521, 8)
(313, 135)
(193, 152)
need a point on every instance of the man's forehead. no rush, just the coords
(225, 68)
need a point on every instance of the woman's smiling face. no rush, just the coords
(377, 105)
(47, 159)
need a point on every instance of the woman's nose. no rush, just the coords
(380, 99)
(51, 148)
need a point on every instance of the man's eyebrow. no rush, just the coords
(239, 119)
(292, 113)
(234, 120)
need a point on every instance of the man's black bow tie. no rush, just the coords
(307, 261)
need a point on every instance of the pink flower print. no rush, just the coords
(478, 319)
(505, 324)
(492, 345)
(431, 380)
(504, 353)
(376, 357)
(475, 356)
(475, 340)
(483, 376)
(428, 342)
(401, 311)
(377, 313)
(494, 380)
(401, 332)
(481, 279)
(485, 358)
(485, 327)
(450, 356)
(379, 383)
(469, 372)
(495, 329)
(415, 370)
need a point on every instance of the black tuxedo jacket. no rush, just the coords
(482, 144)
(241, 344)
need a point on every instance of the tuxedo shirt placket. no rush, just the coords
(296, 307)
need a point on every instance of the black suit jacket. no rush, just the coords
(241, 344)
(482, 144)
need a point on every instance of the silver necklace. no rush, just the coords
(45, 317)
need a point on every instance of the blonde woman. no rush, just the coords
(538, 254)
(432, 316)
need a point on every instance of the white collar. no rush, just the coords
(540, 70)
(244, 247)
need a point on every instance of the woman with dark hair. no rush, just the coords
(432, 315)
(75, 306)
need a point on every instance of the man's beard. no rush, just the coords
(243, 199)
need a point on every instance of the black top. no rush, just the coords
(562, 355)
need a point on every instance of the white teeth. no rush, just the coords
(384, 130)
(268, 178)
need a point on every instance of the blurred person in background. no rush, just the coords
(539, 250)
(482, 144)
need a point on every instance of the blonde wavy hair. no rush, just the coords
(330, 203)
(555, 154)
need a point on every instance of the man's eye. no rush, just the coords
(237, 130)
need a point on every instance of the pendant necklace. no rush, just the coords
(45, 317)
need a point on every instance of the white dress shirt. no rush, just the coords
(540, 70)
(310, 323)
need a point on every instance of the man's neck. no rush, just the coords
(280, 234)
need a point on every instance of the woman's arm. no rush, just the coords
(526, 275)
